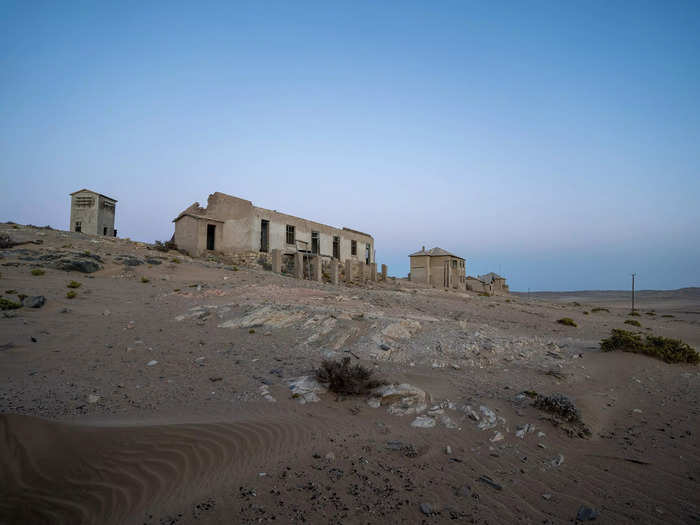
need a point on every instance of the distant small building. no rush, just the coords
(490, 283)
(92, 213)
(438, 268)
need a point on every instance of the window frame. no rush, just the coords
(291, 230)
(353, 247)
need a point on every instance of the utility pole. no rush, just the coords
(633, 291)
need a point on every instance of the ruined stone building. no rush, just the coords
(438, 268)
(92, 212)
(234, 226)
(490, 283)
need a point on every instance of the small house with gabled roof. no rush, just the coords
(438, 268)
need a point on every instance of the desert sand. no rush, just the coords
(168, 390)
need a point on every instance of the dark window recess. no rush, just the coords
(78, 226)
(115, 233)
(104, 230)
(367, 252)
(353, 247)
(314, 242)
(211, 234)
(264, 235)
(290, 234)
(336, 247)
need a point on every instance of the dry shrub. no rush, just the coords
(6, 304)
(664, 348)
(633, 322)
(599, 309)
(165, 246)
(564, 414)
(344, 378)
(567, 321)
(634, 313)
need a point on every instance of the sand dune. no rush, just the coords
(64, 473)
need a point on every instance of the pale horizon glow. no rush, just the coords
(556, 144)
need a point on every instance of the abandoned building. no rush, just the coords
(490, 283)
(92, 212)
(438, 268)
(231, 225)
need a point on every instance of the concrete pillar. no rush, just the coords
(348, 270)
(316, 268)
(384, 270)
(277, 260)
(334, 271)
(373, 272)
(299, 265)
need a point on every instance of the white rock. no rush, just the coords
(306, 389)
(93, 398)
(423, 422)
(488, 419)
(401, 330)
(152, 362)
(401, 399)
(558, 460)
(496, 437)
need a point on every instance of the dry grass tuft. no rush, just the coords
(567, 321)
(344, 378)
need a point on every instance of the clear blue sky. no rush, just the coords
(556, 142)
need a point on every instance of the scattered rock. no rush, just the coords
(490, 482)
(35, 301)
(423, 422)
(448, 450)
(403, 399)
(152, 362)
(306, 389)
(558, 460)
(426, 509)
(586, 514)
(93, 398)
(401, 330)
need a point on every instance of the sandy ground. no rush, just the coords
(168, 401)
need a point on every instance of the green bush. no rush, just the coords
(666, 349)
(667, 315)
(651, 313)
(6, 304)
(598, 309)
(74, 284)
(484, 294)
(251, 331)
(71, 294)
(634, 313)
(37, 272)
(633, 322)
(175, 260)
(567, 321)
(11, 292)
(145, 280)
(585, 313)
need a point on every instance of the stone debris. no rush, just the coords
(306, 389)
(264, 391)
(426, 509)
(557, 461)
(402, 399)
(423, 422)
(152, 362)
(488, 418)
(93, 398)
(586, 513)
(496, 437)
(36, 301)
(404, 329)
(524, 429)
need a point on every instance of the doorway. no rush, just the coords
(264, 235)
(211, 234)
